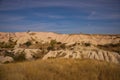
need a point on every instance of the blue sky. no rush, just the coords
(62, 16)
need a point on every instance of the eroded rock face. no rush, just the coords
(74, 43)
(75, 54)
(22, 37)
(29, 53)
(97, 55)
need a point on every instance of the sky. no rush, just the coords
(61, 16)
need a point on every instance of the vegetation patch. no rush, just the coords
(9, 44)
(110, 47)
(28, 43)
(60, 69)
(19, 57)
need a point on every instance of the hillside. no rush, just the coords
(52, 56)
(22, 37)
(20, 46)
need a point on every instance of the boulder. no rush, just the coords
(6, 59)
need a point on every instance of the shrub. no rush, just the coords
(28, 43)
(110, 47)
(9, 44)
(53, 42)
(28, 31)
(20, 57)
(59, 43)
(63, 46)
(50, 48)
(7, 53)
(87, 44)
(52, 45)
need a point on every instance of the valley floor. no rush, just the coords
(60, 69)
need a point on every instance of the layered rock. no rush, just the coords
(74, 43)
(97, 55)
(22, 37)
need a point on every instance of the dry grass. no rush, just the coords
(60, 69)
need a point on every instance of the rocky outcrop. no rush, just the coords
(97, 55)
(76, 46)
(75, 54)
(6, 59)
(29, 53)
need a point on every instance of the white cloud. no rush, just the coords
(103, 16)
(10, 18)
(54, 16)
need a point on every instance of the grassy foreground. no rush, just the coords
(60, 69)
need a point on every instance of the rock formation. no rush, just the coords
(22, 37)
(77, 46)
(97, 55)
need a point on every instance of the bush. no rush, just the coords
(59, 43)
(87, 44)
(63, 46)
(28, 43)
(110, 47)
(7, 53)
(50, 48)
(9, 44)
(20, 57)
(52, 45)
(53, 42)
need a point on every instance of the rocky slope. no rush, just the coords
(97, 55)
(22, 37)
(34, 45)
